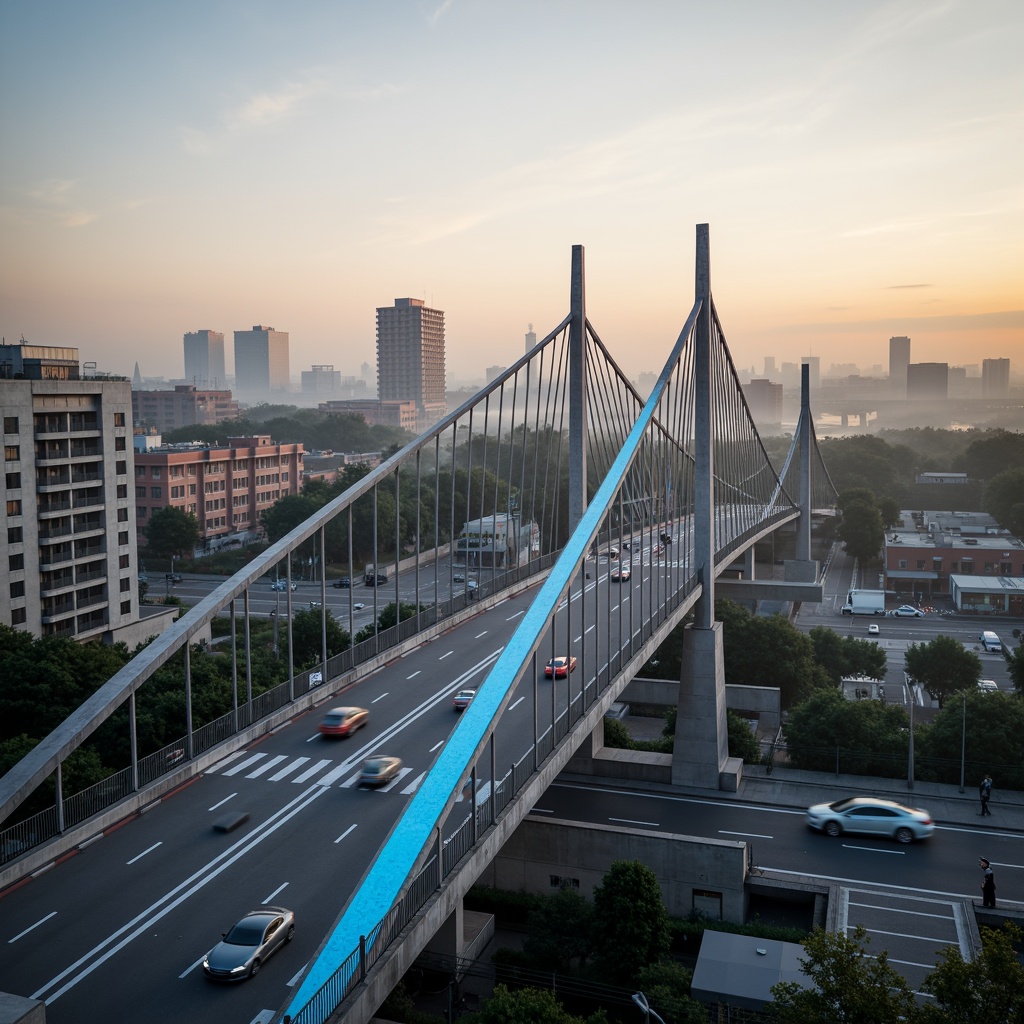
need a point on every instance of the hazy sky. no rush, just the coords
(170, 167)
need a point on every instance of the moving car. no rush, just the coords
(379, 770)
(172, 577)
(254, 938)
(358, 605)
(342, 583)
(873, 629)
(871, 816)
(315, 604)
(344, 721)
(620, 575)
(282, 585)
(458, 578)
(988, 686)
(462, 699)
(558, 667)
(909, 609)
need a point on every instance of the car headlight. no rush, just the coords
(239, 968)
(206, 961)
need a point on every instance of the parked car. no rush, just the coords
(282, 585)
(344, 721)
(558, 667)
(379, 770)
(871, 816)
(343, 583)
(243, 949)
(620, 575)
(463, 699)
(457, 577)
(172, 577)
(909, 609)
(873, 629)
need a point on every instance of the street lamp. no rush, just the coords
(641, 1001)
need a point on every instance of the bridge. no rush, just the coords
(557, 465)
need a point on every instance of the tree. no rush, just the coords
(285, 514)
(631, 925)
(992, 453)
(171, 532)
(560, 929)
(1015, 666)
(742, 741)
(307, 638)
(849, 986)
(841, 656)
(988, 988)
(871, 734)
(943, 666)
(529, 1006)
(861, 529)
(666, 986)
(1004, 499)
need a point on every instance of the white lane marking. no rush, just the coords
(315, 736)
(541, 810)
(578, 639)
(227, 760)
(264, 1016)
(615, 609)
(894, 910)
(443, 656)
(290, 983)
(280, 888)
(904, 935)
(221, 803)
(414, 785)
(295, 765)
(242, 765)
(144, 852)
(349, 783)
(396, 780)
(630, 821)
(414, 675)
(872, 849)
(310, 772)
(144, 921)
(436, 746)
(263, 768)
(516, 615)
(751, 835)
(381, 697)
(515, 704)
(191, 967)
(345, 833)
(484, 633)
(589, 629)
(42, 920)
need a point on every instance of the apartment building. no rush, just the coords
(376, 412)
(227, 487)
(410, 357)
(185, 406)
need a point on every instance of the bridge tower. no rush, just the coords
(577, 391)
(802, 568)
(701, 754)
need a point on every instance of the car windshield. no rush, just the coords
(245, 933)
(373, 767)
(844, 805)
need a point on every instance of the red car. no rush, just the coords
(463, 699)
(558, 667)
(344, 721)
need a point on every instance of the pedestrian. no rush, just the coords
(988, 884)
(985, 792)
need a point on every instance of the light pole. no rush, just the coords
(641, 1001)
(910, 752)
(963, 743)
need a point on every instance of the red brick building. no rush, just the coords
(185, 406)
(226, 487)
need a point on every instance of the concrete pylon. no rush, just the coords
(803, 569)
(577, 391)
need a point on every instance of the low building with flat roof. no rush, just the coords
(988, 595)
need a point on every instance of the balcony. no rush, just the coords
(51, 451)
(56, 610)
(91, 598)
(91, 472)
(51, 582)
(51, 478)
(85, 450)
(54, 506)
(56, 555)
(51, 529)
(88, 523)
(87, 499)
(87, 550)
(93, 571)
(64, 628)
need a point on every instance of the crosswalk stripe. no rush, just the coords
(288, 769)
(224, 761)
(331, 777)
(264, 768)
(241, 766)
(349, 783)
(396, 780)
(414, 785)
(310, 772)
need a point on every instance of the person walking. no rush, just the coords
(985, 792)
(988, 884)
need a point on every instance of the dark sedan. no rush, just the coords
(255, 937)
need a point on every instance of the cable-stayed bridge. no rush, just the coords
(556, 470)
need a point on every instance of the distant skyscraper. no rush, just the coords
(995, 378)
(261, 364)
(769, 366)
(324, 381)
(531, 338)
(765, 402)
(137, 377)
(410, 357)
(204, 359)
(928, 381)
(899, 360)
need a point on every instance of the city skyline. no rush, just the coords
(858, 168)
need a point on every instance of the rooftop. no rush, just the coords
(937, 529)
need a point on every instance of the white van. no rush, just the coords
(991, 642)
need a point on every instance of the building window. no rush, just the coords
(140, 492)
(901, 564)
(12, 452)
(122, 490)
(156, 492)
(126, 607)
(954, 566)
(122, 539)
(16, 562)
(10, 424)
(936, 565)
(989, 566)
(18, 588)
(122, 514)
(120, 444)
(140, 511)
(18, 616)
(140, 471)
(13, 480)
(118, 419)
(124, 562)
(14, 534)
(126, 585)
(14, 507)
(155, 472)
(121, 468)
(920, 563)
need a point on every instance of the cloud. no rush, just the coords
(268, 107)
(55, 199)
(893, 287)
(441, 11)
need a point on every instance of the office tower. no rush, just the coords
(814, 370)
(764, 399)
(957, 382)
(324, 381)
(204, 359)
(493, 373)
(769, 366)
(531, 338)
(261, 364)
(410, 357)
(67, 536)
(928, 381)
(899, 360)
(995, 378)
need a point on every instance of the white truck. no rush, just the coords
(865, 602)
(991, 642)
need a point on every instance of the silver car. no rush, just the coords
(379, 770)
(242, 951)
(871, 816)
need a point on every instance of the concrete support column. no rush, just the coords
(704, 463)
(702, 737)
(577, 391)
(448, 939)
(804, 569)
(749, 568)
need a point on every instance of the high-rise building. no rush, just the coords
(410, 358)
(764, 400)
(67, 523)
(899, 360)
(324, 381)
(928, 381)
(261, 364)
(531, 338)
(769, 366)
(204, 359)
(185, 406)
(995, 378)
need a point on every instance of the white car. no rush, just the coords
(909, 609)
(869, 816)
(873, 629)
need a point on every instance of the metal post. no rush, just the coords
(910, 754)
(188, 701)
(133, 739)
(577, 392)
(58, 786)
(963, 743)
(803, 527)
(704, 467)
(234, 671)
